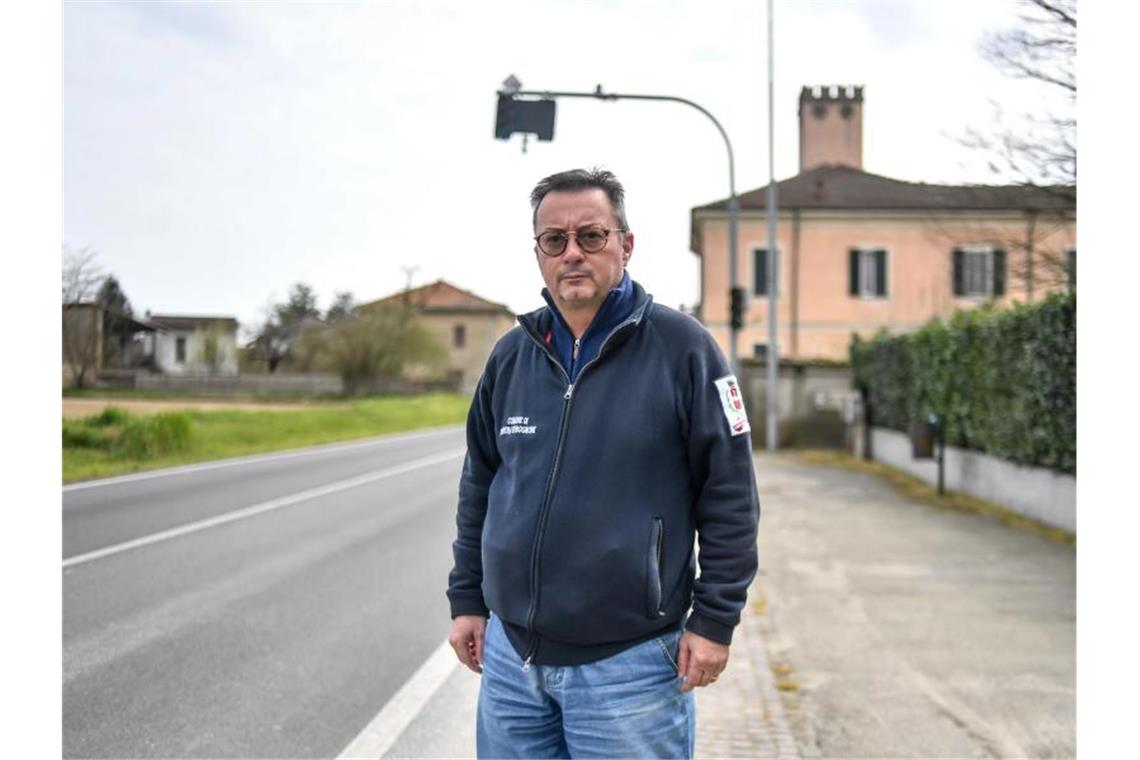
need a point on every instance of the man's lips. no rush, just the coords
(574, 276)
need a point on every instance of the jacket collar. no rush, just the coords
(540, 322)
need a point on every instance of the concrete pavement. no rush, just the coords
(903, 629)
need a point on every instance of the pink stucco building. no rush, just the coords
(857, 252)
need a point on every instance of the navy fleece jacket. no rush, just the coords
(579, 499)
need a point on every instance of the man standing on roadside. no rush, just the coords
(605, 432)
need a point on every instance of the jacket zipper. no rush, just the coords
(544, 512)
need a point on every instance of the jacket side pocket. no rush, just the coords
(653, 570)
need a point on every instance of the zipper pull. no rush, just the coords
(526, 663)
(569, 391)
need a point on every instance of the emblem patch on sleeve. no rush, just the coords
(733, 403)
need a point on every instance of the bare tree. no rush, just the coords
(82, 324)
(1036, 149)
(81, 274)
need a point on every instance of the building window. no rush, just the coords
(459, 336)
(1071, 267)
(760, 272)
(867, 273)
(979, 272)
(759, 350)
(180, 349)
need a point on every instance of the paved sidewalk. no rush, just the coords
(743, 715)
(908, 630)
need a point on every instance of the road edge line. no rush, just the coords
(320, 448)
(403, 707)
(265, 506)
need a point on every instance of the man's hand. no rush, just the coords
(699, 660)
(466, 639)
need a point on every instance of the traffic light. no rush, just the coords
(736, 296)
(525, 116)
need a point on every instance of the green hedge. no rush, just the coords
(1003, 381)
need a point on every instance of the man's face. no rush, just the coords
(579, 281)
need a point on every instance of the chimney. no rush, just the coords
(831, 126)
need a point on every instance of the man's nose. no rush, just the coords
(573, 250)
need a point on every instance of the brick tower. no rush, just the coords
(831, 126)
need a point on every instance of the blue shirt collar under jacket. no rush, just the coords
(618, 306)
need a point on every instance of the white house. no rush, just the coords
(195, 345)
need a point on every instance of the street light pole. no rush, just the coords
(733, 203)
(772, 361)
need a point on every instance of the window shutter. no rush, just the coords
(999, 272)
(853, 272)
(959, 272)
(880, 273)
(760, 272)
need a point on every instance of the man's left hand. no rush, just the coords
(700, 661)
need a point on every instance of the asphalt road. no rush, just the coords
(279, 634)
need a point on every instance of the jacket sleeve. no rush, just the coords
(727, 509)
(465, 583)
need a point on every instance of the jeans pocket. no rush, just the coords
(668, 646)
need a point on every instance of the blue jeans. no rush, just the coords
(625, 706)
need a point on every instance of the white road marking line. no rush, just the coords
(383, 731)
(235, 461)
(266, 506)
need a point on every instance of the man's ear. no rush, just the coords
(626, 247)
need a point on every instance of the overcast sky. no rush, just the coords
(217, 152)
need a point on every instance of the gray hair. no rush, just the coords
(581, 179)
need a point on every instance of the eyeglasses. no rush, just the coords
(590, 239)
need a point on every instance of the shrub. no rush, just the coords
(1002, 381)
(77, 435)
(111, 415)
(154, 435)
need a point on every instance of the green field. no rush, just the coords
(116, 442)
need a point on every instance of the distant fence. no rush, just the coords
(277, 383)
(309, 384)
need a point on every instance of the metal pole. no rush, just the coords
(733, 203)
(734, 254)
(941, 458)
(773, 357)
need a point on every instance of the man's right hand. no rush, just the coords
(467, 632)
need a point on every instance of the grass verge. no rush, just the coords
(116, 442)
(150, 394)
(919, 490)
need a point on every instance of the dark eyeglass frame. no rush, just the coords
(577, 236)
